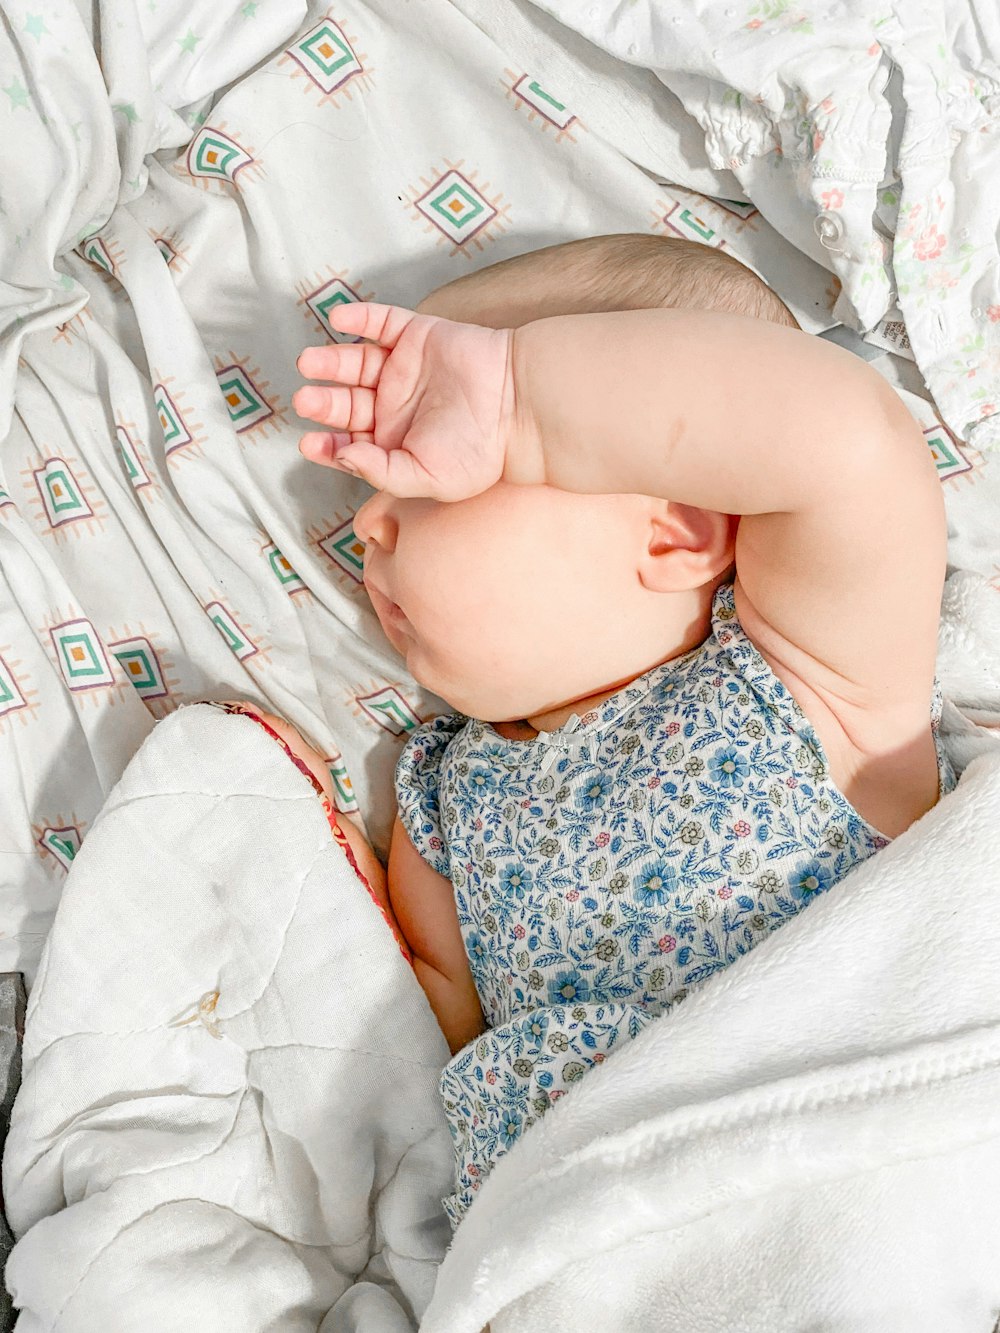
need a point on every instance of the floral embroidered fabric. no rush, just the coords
(604, 869)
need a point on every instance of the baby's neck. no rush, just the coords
(551, 719)
(524, 729)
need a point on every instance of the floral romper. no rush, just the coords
(604, 869)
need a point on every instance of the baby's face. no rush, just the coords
(514, 602)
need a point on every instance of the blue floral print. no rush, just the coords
(603, 870)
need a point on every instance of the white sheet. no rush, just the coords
(155, 517)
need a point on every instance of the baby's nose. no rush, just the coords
(375, 522)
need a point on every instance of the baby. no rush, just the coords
(677, 567)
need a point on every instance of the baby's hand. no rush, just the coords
(427, 406)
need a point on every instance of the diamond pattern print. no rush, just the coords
(216, 156)
(62, 495)
(948, 457)
(175, 434)
(455, 207)
(389, 709)
(326, 56)
(247, 405)
(62, 844)
(137, 473)
(345, 549)
(224, 622)
(343, 789)
(138, 660)
(529, 90)
(80, 655)
(283, 571)
(11, 698)
(324, 300)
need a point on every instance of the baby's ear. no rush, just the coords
(686, 547)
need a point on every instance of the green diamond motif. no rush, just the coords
(11, 697)
(137, 474)
(230, 631)
(239, 399)
(326, 56)
(215, 155)
(62, 493)
(62, 845)
(457, 206)
(282, 570)
(79, 657)
(175, 434)
(328, 49)
(245, 403)
(345, 549)
(137, 667)
(343, 787)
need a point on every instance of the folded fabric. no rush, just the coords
(863, 132)
(228, 1117)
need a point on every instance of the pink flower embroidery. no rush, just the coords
(741, 829)
(673, 728)
(573, 895)
(666, 944)
(993, 313)
(602, 839)
(519, 932)
(654, 782)
(491, 1076)
(435, 843)
(832, 198)
(726, 892)
(929, 244)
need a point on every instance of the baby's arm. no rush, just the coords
(841, 548)
(424, 906)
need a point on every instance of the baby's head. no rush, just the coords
(526, 599)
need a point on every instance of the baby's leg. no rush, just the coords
(367, 862)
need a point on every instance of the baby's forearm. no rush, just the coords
(720, 411)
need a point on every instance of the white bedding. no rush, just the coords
(248, 1171)
(173, 537)
(161, 540)
(867, 132)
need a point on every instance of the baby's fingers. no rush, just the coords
(383, 324)
(350, 363)
(342, 408)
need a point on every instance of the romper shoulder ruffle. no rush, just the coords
(418, 772)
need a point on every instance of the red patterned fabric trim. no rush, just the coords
(328, 810)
